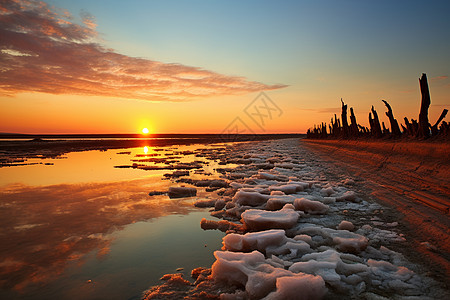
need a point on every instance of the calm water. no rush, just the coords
(78, 228)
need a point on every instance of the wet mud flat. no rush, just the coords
(411, 177)
(301, 227)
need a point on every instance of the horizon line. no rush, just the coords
(140, 134)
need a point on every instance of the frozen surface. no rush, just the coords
(290, 188)
(307, 236)
(268, 242)
(260, 279)
(301, 287)
(346, 225)
(251, 198)
(310, 206)
(257, 219)
(278, 201)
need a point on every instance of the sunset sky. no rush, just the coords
(196, 66)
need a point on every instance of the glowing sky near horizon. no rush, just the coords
(195, 66)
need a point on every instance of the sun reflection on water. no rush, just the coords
(88, 215)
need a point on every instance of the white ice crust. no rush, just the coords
(300, 240)
(260, 279)
(257, 219)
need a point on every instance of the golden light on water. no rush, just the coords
(145, 149)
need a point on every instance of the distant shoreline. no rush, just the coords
(134, 136)
(56, 145)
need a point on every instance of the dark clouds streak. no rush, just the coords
(42, 50)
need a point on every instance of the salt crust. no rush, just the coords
(299, 246)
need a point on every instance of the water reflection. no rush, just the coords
(95, 166)
(43, 228)
(79, 218)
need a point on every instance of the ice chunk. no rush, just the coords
(276, 193)
(304, 185)
(261, 188)
(278, 262)
(398, 278)
(254, 240)
(330, 265)
(381, 235)
(301, 287)
(344, 240)
(326, 269)
(346, 225)
(350, 242)
(305, 238)
(381, 266)
(220, 204)
(327, 191)
(277, 202)
(269, 176)
(250, 198)
(251, 270)
(181, 192)
(287, 188)
(269, 242)
(295, 248)
(257, 219)
(348, 196)
(233, 268)
(246, 269)
(310, 206)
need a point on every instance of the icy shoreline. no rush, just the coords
(294, 233)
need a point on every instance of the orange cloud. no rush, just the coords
(45, 51)
(88, 20)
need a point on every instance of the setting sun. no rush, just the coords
(145, 131)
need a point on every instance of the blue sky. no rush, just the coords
(245, 37)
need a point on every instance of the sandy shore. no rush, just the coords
(411, 177)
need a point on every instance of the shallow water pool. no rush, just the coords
(78, 228)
